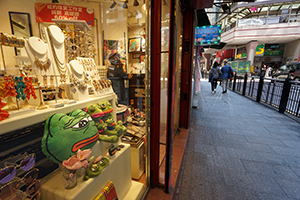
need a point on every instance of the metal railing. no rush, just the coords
(282, 95)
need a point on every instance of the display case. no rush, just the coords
(56, 86)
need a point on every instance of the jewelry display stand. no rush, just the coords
(39, 52)
(80, 38)
(100, 86)
(77, 72)
(55, 38)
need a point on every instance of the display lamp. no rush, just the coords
(125, 6)
(113, 4)
(144, 7)
(136, 3)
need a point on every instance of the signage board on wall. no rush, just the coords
(208, 35)
(241, 67)
(247, 66)
(234, 66)
(45, 12)
(260, 49)
(241, 56)
(273, 52)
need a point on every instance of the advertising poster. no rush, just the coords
(208, 35)
(234, 66)
(241, 67)
(247, 66)
(45, 12)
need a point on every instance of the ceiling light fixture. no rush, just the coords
(113, 4)
(125, 6)
(136, 3)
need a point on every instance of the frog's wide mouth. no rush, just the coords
(96, 115)
(84, 142)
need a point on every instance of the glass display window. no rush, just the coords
(74, 92)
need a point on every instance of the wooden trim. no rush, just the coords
(155, 91)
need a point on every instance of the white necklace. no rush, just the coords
(60, 65)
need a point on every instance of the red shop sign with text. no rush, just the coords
(45, 12)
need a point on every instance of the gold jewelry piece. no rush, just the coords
(82, 85)
(43, 65)
(45, 82)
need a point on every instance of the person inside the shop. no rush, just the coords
(116, 70)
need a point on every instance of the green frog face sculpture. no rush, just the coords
(96, 113)
(65, 134)
(107, 109)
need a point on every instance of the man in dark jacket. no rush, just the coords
(225, 72)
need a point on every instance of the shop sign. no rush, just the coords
(273, 52)
(241, 55)
(260, 49)
(208, 35)
(45, 12)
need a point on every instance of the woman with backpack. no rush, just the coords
(215, 72)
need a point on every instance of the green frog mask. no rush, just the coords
(65, 134)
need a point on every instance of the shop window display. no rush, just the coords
(86, 129)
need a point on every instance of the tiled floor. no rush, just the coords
(179, 143)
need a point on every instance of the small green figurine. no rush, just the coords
(95, 168)
(102, 114)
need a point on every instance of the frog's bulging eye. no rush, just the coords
(82, 123)
(103, 105)
(92, 108)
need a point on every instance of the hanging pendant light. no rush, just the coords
(136, 3)
(125, 6)
(113, 4)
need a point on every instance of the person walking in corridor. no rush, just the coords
(215, 72)
(226, 71)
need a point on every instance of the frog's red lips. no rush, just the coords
(96, 115)
(84, 142)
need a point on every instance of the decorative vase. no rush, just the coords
(69, 178)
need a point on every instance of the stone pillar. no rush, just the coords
(251, 47)
(207, 61)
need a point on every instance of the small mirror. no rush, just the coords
(20, 25)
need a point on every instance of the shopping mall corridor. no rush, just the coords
(239, 149)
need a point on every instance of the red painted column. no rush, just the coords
(187, 66)
(155, 90)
